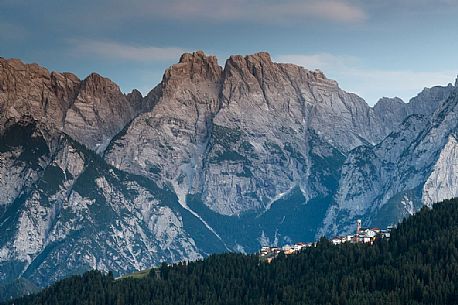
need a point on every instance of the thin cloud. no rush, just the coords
(322, 61)
(338, 11)
(253, 11)
(115, 50)
(371, 84)
(265, 11)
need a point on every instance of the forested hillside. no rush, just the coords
(418, 265)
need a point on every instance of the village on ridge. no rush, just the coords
(362, 235)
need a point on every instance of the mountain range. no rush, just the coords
(213, 159)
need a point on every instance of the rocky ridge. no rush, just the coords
(91, 111)
(393, 111)
(412, 167)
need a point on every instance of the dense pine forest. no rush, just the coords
(418, 265)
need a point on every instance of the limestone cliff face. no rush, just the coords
(393, 111)
(240, 136)
(32, 90)
(92, 111)
(268, 130)
(47, 219)
(77, 213)
(24, 153)
(412, 167)
(100, 111)
(169, 143)
(443, 181)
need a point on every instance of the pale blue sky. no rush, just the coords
(373, 48)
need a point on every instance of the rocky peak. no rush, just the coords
(194, 65)
(100, 111)
(134, 95)
(427, 101)
(456, 82)
(28, 89)
(258, 70)
(19, 66)
(259, 65)
(193, 57)
(387, 102)
(138, 102)
(249, 61)
(391, 110)
(195, 72)
(95, 84)
(91, 111)
(253, 74)
(260, 57)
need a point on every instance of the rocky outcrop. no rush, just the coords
(26, 148)
(443, 181)
(100, 111)
(393, 111)
(31, 90)
(92, 111)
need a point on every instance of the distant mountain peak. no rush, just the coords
(262, 56)
(390, 100)
(97, 84)
(194, 65)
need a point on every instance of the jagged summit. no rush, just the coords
(191, 65)
(135, 93)
(389, 100)
(194, 65)
(265, 56)
(241, 135)
(15, 64)
(97, 84)
(196, 56)
(92, 110)
(259, 56)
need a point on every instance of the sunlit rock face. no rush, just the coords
(240, 136)
(92, 111)
(213, 159)
(443, 181)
